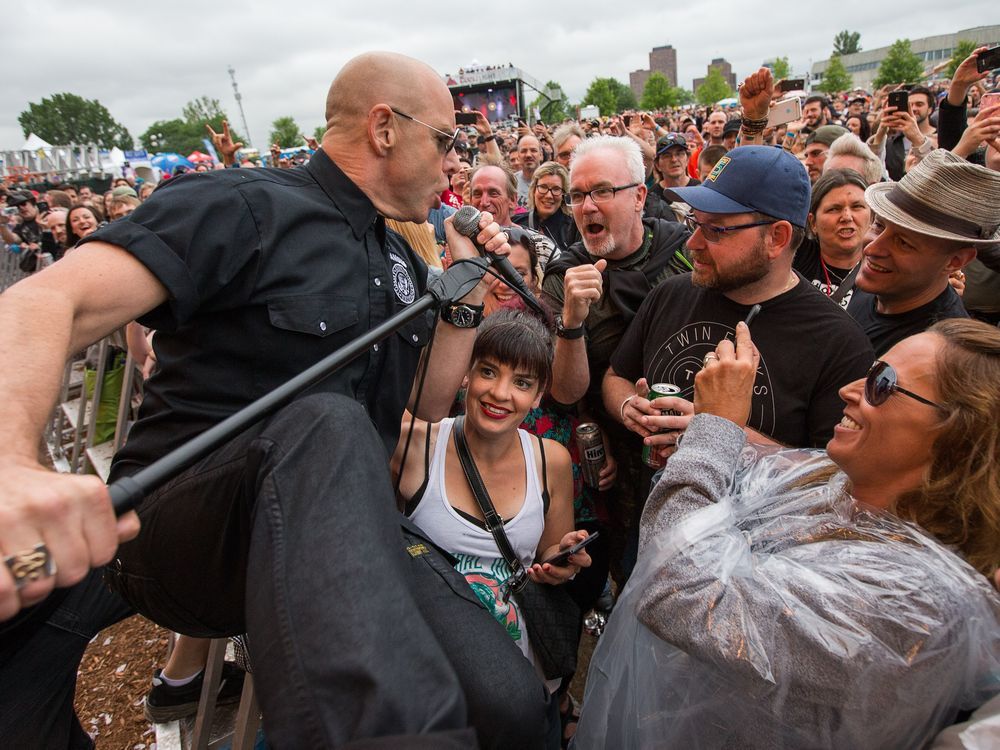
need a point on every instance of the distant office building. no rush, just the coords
(934, 50)
(637, 82)
(661, 60)
(724, 67)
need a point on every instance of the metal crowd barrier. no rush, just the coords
(71, 434)
(10, 269)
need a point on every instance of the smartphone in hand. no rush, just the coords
(787, 110)
(900, 100)
(561, 559)
(988, 59)
(989, 100)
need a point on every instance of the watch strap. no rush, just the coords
(569, 333)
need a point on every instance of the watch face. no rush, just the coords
(462, 316)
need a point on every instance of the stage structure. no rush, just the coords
(501, 92)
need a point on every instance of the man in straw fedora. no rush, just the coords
(929, 225)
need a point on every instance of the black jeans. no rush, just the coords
(290, 534)
(40, 654)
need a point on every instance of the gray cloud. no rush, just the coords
(145, 61)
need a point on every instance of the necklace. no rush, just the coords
(829, 278)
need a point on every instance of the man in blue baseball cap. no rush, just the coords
(747, 220)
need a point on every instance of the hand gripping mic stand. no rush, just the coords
(451, 286)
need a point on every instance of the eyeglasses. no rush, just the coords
(597, 195)
(880, 383)
(714, 233)
(555, 190)
(444, 145)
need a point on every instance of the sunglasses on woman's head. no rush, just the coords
(880, 383)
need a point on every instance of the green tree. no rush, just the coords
(553, 108)
(901, 65)
(67, 118)
(286, 133)
(319, 132)
(205, 111)
(713, 88)
(600, 94)
(658, 93)
(846, 42)
(202, 110)
(170, 136)
(624, 95)
(610, 95)
(187, 133)
(684, 96)
(835, 77)
(962, 50)
(780, 68)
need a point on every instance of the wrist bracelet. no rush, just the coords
(621, 409)
(491, 137)
(750, 122)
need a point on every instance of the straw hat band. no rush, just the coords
(930, 215)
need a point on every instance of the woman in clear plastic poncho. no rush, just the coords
(781, 601)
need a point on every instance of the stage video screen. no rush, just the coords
(498, 104)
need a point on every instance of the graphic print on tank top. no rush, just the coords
(681, 357)
(485, 576)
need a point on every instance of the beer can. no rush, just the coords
(591, 447)
(656, 391)
(44, 260)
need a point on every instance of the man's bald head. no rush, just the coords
(390, 125)
(382, 78)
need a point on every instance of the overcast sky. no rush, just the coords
(144, 61)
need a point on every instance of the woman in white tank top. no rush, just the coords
(528, 479)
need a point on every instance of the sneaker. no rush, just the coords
(166, 703)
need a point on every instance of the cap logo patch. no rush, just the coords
(719, 166)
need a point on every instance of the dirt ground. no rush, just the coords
(115, 675)
(113, 679)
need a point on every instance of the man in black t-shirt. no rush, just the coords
(930, 224)
(749, 217)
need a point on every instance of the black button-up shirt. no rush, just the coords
(268, 271)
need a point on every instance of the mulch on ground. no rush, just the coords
(115, 673)
(114, 678)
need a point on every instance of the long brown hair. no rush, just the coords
(959, 501)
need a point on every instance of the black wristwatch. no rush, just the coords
(462, 315)
(569, 333)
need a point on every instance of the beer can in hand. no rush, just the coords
(649, 457)
(591, 446)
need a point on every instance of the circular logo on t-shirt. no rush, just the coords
(681, 356)
(402, 284)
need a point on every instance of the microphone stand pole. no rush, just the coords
(451, 286)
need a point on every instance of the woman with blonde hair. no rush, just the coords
(548, 213)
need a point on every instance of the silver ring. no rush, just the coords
(30, 565)
(710, 357)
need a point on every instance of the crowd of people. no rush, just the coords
(758, 401)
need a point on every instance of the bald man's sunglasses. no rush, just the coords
(447, 141)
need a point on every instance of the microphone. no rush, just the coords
(466, 221)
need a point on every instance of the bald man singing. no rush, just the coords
(358, 632)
